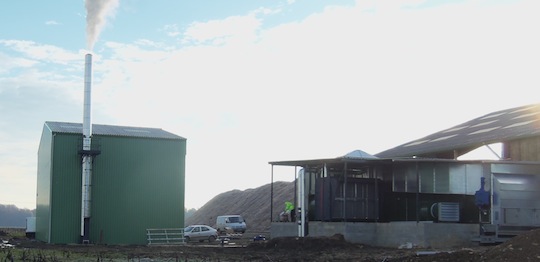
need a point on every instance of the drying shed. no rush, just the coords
(420, 194)
(138, 183)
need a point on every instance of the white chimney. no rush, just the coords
(87, 118)
(86, 156)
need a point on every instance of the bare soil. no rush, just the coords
(521, 248)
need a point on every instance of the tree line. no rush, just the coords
(12, 216)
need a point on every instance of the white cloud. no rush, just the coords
(52, 22)
(344, 79)
(48, 53)
(19, 182)
(171, 30)
(334, 82)
(38, 83)
(26, 102)
(266, 11)
(149, 43)
(8, 63)
(222, 31)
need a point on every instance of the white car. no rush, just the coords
(200, 233)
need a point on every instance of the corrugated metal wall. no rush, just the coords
(66, 189)
(527, 149)
(437, 178)
(138, 183)
(43, 201)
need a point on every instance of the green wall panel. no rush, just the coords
(66, 189)
(138, 183)
(43, 200)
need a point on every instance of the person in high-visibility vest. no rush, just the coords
(289, 210)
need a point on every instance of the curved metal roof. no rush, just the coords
(500, 126)
(127, 131)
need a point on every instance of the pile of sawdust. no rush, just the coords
(253, 204)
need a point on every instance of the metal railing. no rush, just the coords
(165, 236)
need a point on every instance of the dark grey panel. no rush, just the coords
(505, 125)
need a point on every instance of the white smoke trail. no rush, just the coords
(97, 12)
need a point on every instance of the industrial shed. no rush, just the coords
(137, 183)
(420, 194)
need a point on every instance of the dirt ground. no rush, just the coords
(521, 248)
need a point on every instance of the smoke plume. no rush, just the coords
(97, 12)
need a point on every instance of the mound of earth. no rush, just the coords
(524, 247)
(253, 204)
(333, 248)
(304, 244)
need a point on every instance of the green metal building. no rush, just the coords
(138, 182)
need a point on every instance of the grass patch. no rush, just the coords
(8, 233)
(17, 254)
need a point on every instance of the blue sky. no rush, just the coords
(248, 82)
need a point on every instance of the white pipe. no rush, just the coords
(302, 209)
(86, 186)
(87, 145)
(87, 117)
